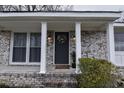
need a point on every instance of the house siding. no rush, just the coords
(93, 45)
(50, 54)
(4, 47)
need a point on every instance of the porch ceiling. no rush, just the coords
(53, 26)
(57, 21)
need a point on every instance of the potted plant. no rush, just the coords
(73, 55)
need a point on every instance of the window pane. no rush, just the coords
(119, 41)
(34, 54)
(19, 39)
(35, 40)
(35, 47)
(19, 48)
(19, 54)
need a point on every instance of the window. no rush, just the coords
(35, 43)
(26, 48)
(119, 41)
(19, 47)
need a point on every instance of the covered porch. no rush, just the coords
(59, 36)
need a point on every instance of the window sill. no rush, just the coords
(24, 64)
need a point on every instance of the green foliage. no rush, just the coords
(3, 84)
(95, 73)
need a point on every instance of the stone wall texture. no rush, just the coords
(93, 45)
(4, 47)
(72, 45)
(50, 53)
(35, 80)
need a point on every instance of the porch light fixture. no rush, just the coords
(73, 37)
(49, 38)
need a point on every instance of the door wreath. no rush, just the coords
(61, 39)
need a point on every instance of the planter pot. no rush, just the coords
(73, 65)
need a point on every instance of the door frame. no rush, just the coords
(54, 47)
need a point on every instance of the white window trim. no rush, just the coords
(27, 50)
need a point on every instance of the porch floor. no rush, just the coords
(63, 71)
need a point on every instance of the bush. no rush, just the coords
(3, 84)
(95, 73)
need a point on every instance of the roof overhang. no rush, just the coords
(118, 24)
(60, 16)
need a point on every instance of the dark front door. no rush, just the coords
(61, 48)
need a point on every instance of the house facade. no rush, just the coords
(49, 42)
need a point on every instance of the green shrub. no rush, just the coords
(3, 84)
(95, 73)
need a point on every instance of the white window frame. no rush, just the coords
(27, 50)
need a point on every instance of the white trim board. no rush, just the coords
(118, 24)
(59, 14)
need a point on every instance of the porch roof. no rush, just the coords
(57, 20)
(62, 11)
(60, 15)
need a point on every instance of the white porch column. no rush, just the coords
(43, 47)
(110, 43)
(78, 44)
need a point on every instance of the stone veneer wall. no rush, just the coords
(93, 44)
(4, 47)
(50, 54)
(72, 44)
(5, 37)
(35, 80)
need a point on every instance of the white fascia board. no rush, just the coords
(38, 14)
(118, 24)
